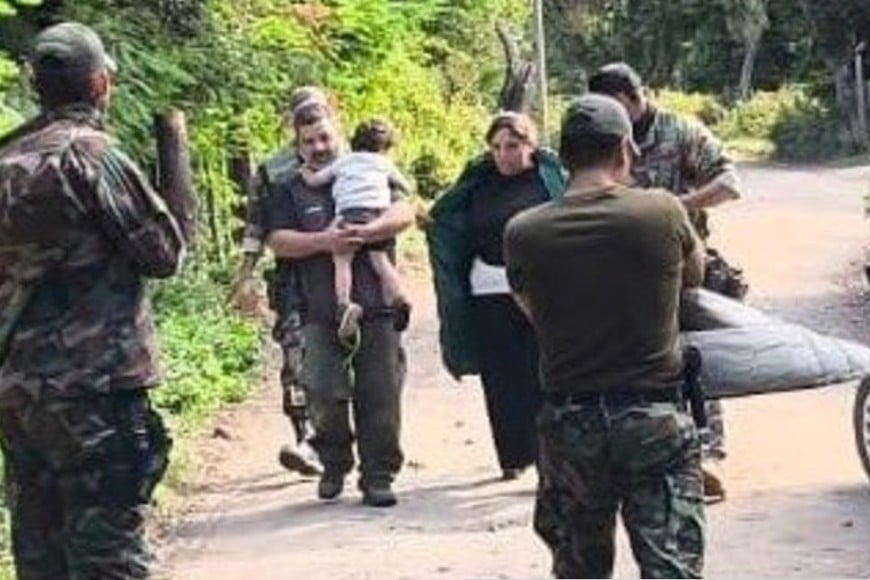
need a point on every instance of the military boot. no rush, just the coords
(331, 485)
(378, 494)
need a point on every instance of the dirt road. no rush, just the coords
(799, 505)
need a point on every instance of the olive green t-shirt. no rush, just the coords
(602, 272)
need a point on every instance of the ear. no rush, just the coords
(101, 83)
(624, 158)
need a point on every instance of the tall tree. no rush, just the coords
(838, 28)
(747, 20)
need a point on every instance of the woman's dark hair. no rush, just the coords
(520, 126)
(374, 136)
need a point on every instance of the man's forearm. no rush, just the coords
(395, 218)
(293, 244)
(724, 188)
(317, 178)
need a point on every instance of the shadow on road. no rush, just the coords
(480, 505)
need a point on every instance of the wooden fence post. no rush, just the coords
(174, 174)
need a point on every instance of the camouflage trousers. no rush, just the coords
(641, 460)
(713, 435)
(287, 332)
(79, 474)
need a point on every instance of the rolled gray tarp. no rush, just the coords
(746, 352)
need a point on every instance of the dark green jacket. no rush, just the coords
(450, 254)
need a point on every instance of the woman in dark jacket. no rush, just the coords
(482, 330)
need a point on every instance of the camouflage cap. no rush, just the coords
(307, 101)
(597, 115)
(70, 46)
(307, 94)
(615, 78)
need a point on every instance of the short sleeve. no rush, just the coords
(279, 210)
(252, 241)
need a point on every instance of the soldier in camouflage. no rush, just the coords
(282, 290)
(614, 435)
(79, 230)
(682, 156)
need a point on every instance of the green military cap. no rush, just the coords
(70, 46)
(597, 115)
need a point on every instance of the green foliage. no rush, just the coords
(704, 107)
(209, 353)
(9, 7)
(811, 131)
(761, 114)
(791, 124)
(692, 45)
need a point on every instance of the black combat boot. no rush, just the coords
(378, 494)
(331, 485)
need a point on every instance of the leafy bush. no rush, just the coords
(791, 124)
(759, 115)
(811, 131)
(703, 107)
(209, 353)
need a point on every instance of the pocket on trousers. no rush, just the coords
(654, 438)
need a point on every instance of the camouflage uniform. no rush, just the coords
(283, 293)
(79, 228)
(652, 458)
(679, 154)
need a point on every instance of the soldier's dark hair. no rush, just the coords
(615, 79)
(59, 86)
(587, 150)
(308, 114)
(374, 136)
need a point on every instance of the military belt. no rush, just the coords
(616, 397)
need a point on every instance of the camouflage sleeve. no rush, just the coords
(252, 239)
(280, 168)
(703, 155)
(135, 217)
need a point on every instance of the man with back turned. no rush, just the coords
(599, 275)
(79, 230)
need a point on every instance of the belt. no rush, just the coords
(621, 398)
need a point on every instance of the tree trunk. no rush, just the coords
(516, 88)
(746, 71)
(174, 175)
(846, 99)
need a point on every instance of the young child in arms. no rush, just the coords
(362, 181)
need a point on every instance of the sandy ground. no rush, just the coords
(798, 505)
